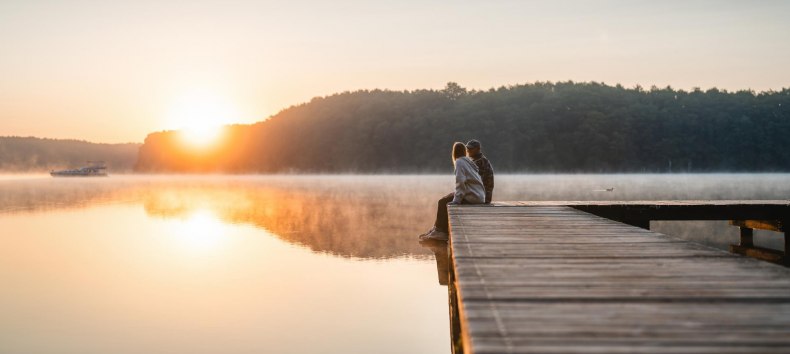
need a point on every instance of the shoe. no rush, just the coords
(437, 235)
(422, 236)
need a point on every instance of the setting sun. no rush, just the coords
(200, 117)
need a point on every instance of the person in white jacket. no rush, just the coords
(468, 190)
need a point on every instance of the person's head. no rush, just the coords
(459, 150)
(473, 147)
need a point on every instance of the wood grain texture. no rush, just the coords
(544, 277)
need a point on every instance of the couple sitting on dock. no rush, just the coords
(474, 184)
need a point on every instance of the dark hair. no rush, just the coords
(459, 150)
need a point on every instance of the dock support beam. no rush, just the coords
(747, 237)
(746, 246)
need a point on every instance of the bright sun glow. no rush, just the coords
(200, 116)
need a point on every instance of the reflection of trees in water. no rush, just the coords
(350, 217)
(376, 216)
(325, 220)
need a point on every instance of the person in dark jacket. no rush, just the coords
(473, 150)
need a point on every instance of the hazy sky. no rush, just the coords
(113, 71)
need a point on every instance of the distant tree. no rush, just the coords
(29, 154)
(454, 91)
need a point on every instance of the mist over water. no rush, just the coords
(285, 264)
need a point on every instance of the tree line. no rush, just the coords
(29, 154)
(536, 127)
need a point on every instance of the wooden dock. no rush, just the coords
(546, 277)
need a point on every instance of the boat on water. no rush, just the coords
(94, 169)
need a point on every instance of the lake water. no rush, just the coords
(266, 264)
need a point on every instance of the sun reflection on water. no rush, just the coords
(202, 231)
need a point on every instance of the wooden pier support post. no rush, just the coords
(746, 246)
(747, 237)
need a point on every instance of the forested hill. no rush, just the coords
(28, 154)
(540, 127)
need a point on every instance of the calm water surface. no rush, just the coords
(265, 264)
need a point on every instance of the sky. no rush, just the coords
(114, 71)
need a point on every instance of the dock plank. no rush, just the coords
(545, 277)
